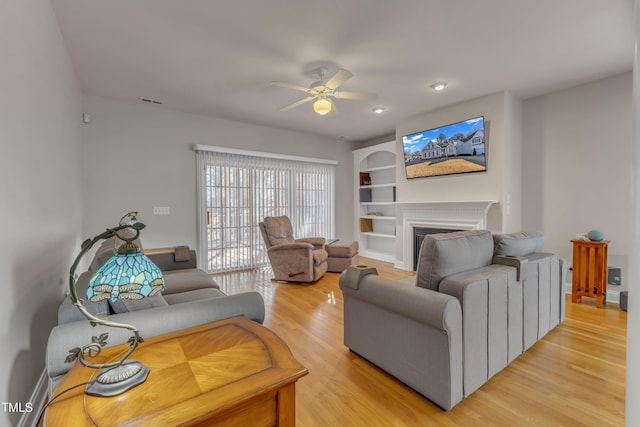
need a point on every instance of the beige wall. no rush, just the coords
(576, 170)
(39, 187)
(137, 156)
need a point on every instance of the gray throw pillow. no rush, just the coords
(517, 244)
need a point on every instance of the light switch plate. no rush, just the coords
(161, 210)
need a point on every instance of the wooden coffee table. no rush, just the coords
(229, 372)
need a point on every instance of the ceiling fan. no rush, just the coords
(323, 92)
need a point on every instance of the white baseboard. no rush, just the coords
(38, 399)
(612, 296)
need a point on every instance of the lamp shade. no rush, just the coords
(322, 106)
(125, 275)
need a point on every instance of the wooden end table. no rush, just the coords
(230, 372)
(589, 275)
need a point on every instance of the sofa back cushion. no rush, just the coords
(449, 253)
(517, 244)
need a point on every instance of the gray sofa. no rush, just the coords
(190, 298)
(477, 302)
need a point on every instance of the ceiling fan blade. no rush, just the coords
(290, 86)
(338, 79)
(295, 104)
(355, 95)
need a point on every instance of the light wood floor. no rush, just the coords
(575, 376)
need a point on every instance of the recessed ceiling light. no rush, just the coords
(439, 86)
(378, 110)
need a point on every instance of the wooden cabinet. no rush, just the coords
(375, 195)
(589, 271)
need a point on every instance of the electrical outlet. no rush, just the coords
(161, 210)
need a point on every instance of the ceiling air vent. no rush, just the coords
(151, 101)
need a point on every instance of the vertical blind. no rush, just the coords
(236, 191)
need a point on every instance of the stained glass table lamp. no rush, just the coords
(129, 274)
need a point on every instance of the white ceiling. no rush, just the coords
(218, 58)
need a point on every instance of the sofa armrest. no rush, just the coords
(513, 261)
(176, 259)
(352, 276)
(317, 242)
(290, 246)
(413, 333)
(150, 322)
(437, 310)
(291, 261)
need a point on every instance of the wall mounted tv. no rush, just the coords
(452, 149)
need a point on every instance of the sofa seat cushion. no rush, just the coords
(445, 254)
(186, 280)
(517, 244)
(195, 295)
(123, 305)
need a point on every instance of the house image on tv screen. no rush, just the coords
(471, 145)
(451, 149)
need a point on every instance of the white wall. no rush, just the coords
(511, 198)
(39, 188)
(633, 320)
(576, 171)
(502, 113)
(139, 155)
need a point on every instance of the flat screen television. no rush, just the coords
(452, 149)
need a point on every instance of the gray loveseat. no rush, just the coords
(477, 302)
(190, 298)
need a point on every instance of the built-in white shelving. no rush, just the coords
(375, 194)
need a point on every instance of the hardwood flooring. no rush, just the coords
(574, 376)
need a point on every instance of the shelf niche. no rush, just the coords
(375, 191)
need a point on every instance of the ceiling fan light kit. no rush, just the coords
(322, 106)
(321, 92)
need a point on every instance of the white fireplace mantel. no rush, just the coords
(458, 215)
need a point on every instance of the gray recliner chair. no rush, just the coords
(293, 260)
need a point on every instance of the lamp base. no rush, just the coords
(113, 381)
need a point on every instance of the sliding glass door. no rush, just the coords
(236, 191)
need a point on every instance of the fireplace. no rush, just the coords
(442, 216)
(418, 237)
